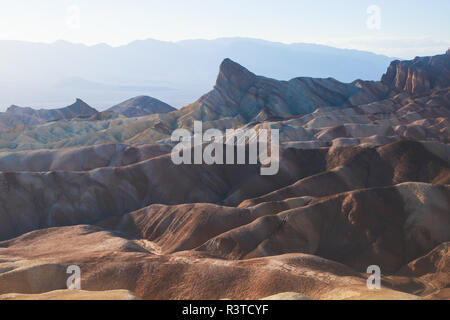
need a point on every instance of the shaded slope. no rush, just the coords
(356, 168)
(238, 93)
(44, 199)
(80, 158)
(387, 226)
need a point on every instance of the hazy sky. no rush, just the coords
(400, 28)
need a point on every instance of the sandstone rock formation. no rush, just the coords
(419, 75)
(364, 180)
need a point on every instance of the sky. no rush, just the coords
(400, 28)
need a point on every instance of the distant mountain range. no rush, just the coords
(50, 75)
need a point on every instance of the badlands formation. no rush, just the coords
(364, 180)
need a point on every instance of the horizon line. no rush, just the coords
(201, 39)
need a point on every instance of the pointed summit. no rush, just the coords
(233, 75)
(228, 66)
(79, 109)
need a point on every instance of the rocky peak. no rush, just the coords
(234, 78)
(78, 109)
(419, 75)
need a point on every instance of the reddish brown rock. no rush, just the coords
(419, 75)
(109, 262)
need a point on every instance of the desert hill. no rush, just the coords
(20, 118)
(364, 180)
(141, 106)
(16, 116)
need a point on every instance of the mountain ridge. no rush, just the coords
(148, 63)
(242, 98)
(16, 116)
